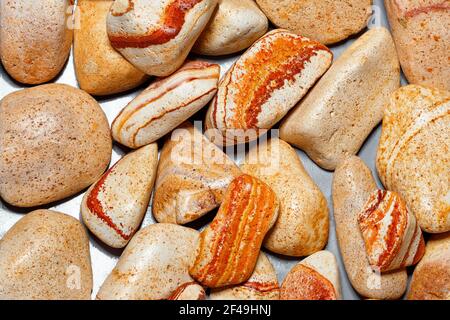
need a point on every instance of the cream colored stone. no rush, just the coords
(156, 36)
(413, 155)
(234, 26)
(352, 185)
(422, 37)
(45, 256)
(100, 69)
(113, 207)
(154, 264)
(35, 38)
(193, 175)
(327, 21)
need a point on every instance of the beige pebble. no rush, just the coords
(413, 157)
(421, 34)
(54, 142)
(302, 226)
(327, 21)
(193, 175)
(352, 185)
(114, 206)
(153, 266)
(431, 278)
(347, 103)
(100, 69)
(45, 256)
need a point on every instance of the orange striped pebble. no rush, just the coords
(166, 104)
(156, 36)
(193, 176)
(114, 206)
(305, 283)
(265, 83)
(229, 247)
(392, 237)
(315, 278)
(189, 291)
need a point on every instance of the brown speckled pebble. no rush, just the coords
(54, 142)
(352, 184)
(35, 38)
(45, 255)
(302, 225)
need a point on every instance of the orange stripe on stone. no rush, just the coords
(184, 105)
(225, 230)
(179, 291)
(267, 198)
(381, 203)
(262, 286)
(234, 246)
(370, 218)
(240, 206)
